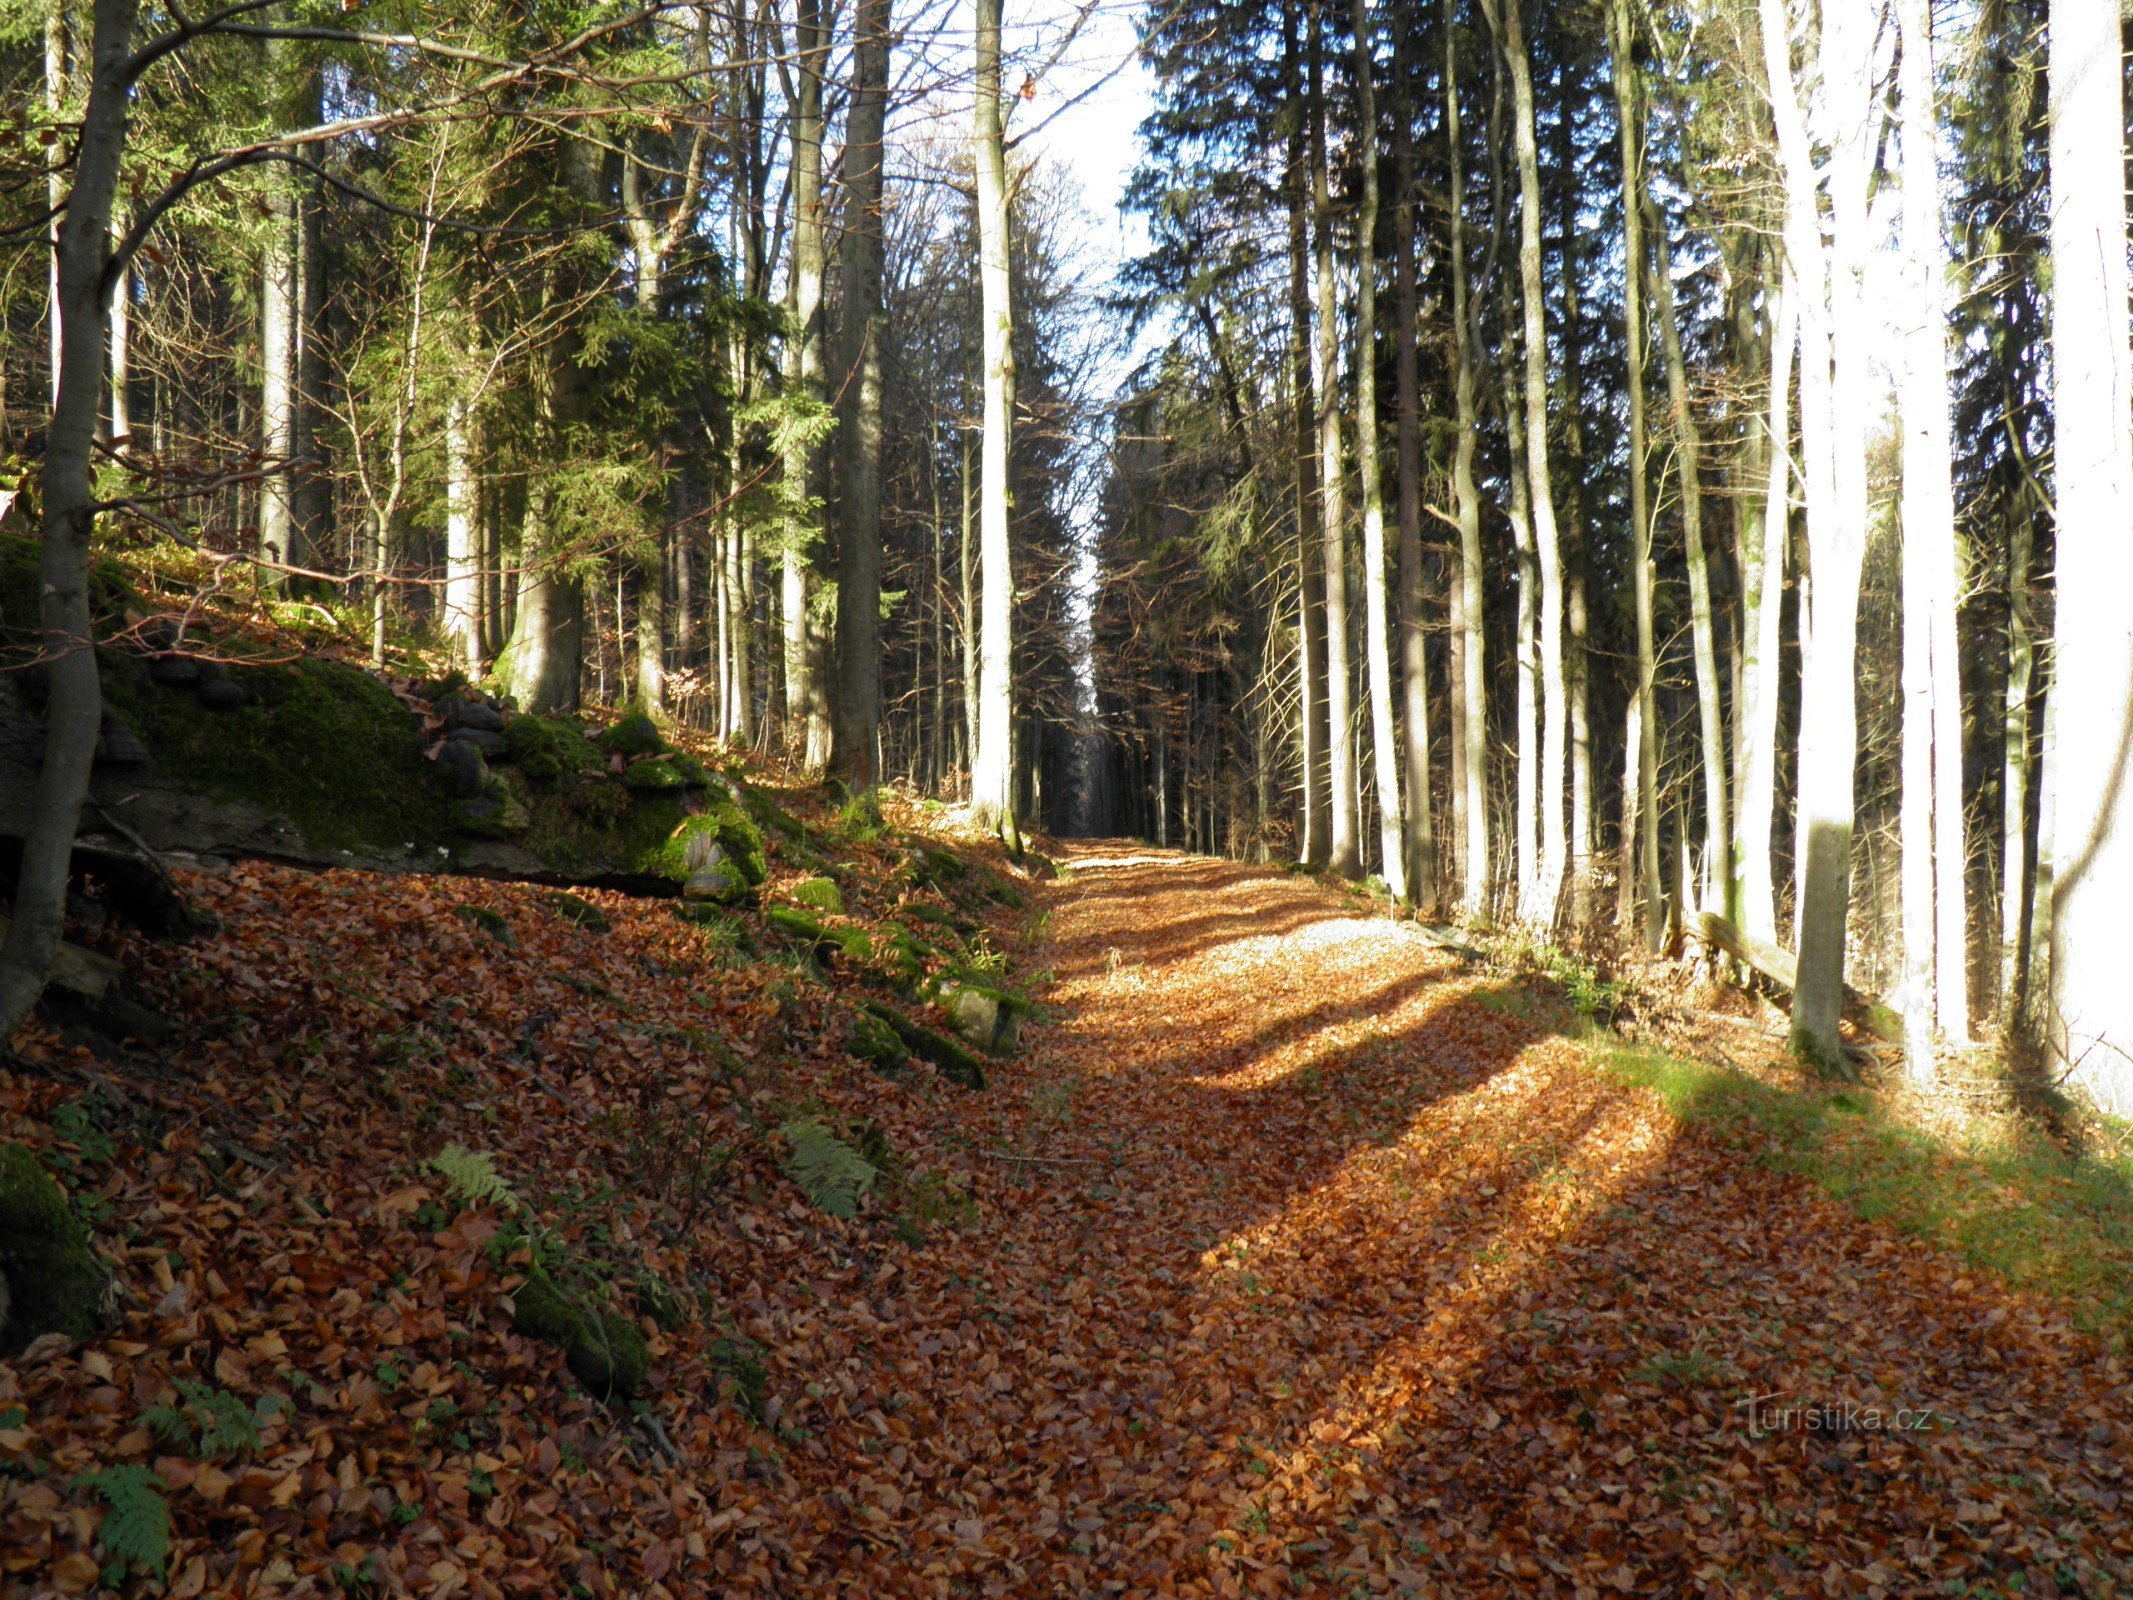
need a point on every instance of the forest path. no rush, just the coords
(1353, 1278)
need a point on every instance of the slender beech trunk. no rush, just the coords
(1642, 856)
(1315, 848)
(278, 301)
(1929, 511)
(1703, 629)
(1377, 599)
(806, 729)
(55, 109)
(74, 696)
(858, 708)
(1344, 854)
(121, 319)
(1473, 794)
(1419, 844)
(993, 775)
(2016, 772)
(1834, 390)
(462, 539)
(1540, 902)
(2092, 840)
(1575, 665)
(1759, 716)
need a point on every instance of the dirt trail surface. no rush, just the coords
(1295, 1260)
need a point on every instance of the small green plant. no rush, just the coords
(80, 1122)
(389, 1375)
(1693, 1368)
(135, 1532)
(473, 1179)
(206, 1422)
(832, 1174)
(405, 1513)
(739, 1362)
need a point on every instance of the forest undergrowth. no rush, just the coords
(1288, 1254)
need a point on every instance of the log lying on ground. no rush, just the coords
(1782, 969)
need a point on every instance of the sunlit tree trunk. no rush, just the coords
(992, 776)
(2016, 776)
(806, 727)
(2092, 682)
(1576, 668)
(1377, 599)
(74, 696)
(55, 107)
(1642, 867)
(1419, 845)
(1315, 847)
(462, 537)
(120, 313)
(1835, 387)
(858, 708)
(1473, 793)
(1344, 854)
(1703, 629)
(278, 301)
(1540, 899)
(1759, 716)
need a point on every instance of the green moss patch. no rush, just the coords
(603, 1350)
(549, 749)
(955, 1061)
(54, 1281)
(321, 743)
(820, 894)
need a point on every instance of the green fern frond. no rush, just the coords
(473, 1178)
(136, 1529)
(829, 1172)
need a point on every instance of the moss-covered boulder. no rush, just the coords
(321, 744)
(604, 1351)
(549, 749)
(50, 1280)
(495, 813)
(873, 1040)
(635, 735)
(820, 894)
(955, 1061)
(688, 848)
(825, 944)
(675, 770)
(991, 1017)
(574, 908)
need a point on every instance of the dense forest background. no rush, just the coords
(1654, 472)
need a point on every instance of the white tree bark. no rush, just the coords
(1377, 609)
(992, 783)
(2091, 762)
(1473, 793)
(1540, 899)
(1759, 721)
(462, 539)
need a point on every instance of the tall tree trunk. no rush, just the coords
(1703, 628)
(1315, 848)
(1466, 500)
(1377, 607)
(1540, 905)
(858, 708)
(1419, 844)
(1759, 716)
(1344, 854)
(120, 313)
(55, 110)
(1929, 512)
(1834, 389)
(806, 726)
(2092, 842)
(462, 540)
(2016, 775)
(1641, 856)
(992, 776)
(279, 298)
(74, 695)
(1575, 665)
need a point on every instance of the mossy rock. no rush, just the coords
(549, 749)
(859, 819)
(321, 743)
(902, 958)
(110, 591)
(635, 735)
(820, 894)
(571, 908)
(990, 1016)
(677, 770)
(873, 1040)
(50, 1280)
(488, 922)
(956, 1061)
(769, 815)
(687, 848)
(495, 813)
(604, 1351)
